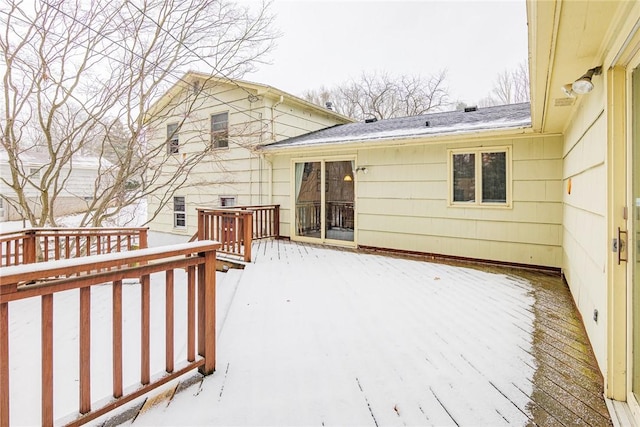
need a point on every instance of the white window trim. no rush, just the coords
(478, 151)
(175, 214)
(170, 141)
(213, 142)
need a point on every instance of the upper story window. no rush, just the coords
(480, 177)
(220, 130)
(173, 143)
(34, 173)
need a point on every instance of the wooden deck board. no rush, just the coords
(335, 365)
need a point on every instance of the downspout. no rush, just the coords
(273, 117)
(269, 177)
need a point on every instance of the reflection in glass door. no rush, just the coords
(339, 198)
(308, 198)
(324, 194)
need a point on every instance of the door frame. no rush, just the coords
(622, 94)
(292, 223)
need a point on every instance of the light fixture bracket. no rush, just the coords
(584, 84)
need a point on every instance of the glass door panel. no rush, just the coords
(634, 233)
(339, 197)
(308, 215)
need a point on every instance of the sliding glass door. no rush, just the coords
(324, 200)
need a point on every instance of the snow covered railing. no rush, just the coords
(43, 280)
(44, 244)
(266, 220)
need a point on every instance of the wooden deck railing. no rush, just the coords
(43, 280)
(236, 226)
(266, 220)
(44, 244)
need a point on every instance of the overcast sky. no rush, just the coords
(327, 42)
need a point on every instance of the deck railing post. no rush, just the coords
(276, 221)
(248, 234)
(201, 220)
(207, 323)
(29, 247)
(143, 243)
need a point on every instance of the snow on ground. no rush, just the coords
(316, 336)
(310, 335)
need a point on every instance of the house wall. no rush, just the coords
(236, 171)
(78, 189)
(402, 202)
(584, 214)
(62, 206)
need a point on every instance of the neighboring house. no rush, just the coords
(78, 190)
(228, 119)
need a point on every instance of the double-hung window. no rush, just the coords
(179, 212)
(220, 130)
(173, 144)
(480, 177)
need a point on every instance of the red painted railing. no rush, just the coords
(43, 280)
(236, 226)
(45, 244)
(266, 220)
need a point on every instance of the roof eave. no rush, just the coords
(472, 135)
(259, 88)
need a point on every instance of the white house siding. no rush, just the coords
(401, 203)
(585, 223)
(237, 171)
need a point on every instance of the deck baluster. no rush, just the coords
(85, 350)
(169, 318)
(117, 338)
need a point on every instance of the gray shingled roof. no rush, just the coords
(511, 116)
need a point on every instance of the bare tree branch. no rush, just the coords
(383, 96)
(510, 87)
(78, 78)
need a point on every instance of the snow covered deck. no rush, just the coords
(318, 336)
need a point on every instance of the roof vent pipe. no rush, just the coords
(371, 120)
(470, 109)
(427, 124)
(329, 105)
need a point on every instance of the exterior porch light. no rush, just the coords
(583, 84)
(347, 178)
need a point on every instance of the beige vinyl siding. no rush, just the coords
(585, 223)
(237, 170)
(402, 202)
(415, 185)
(291, 121)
